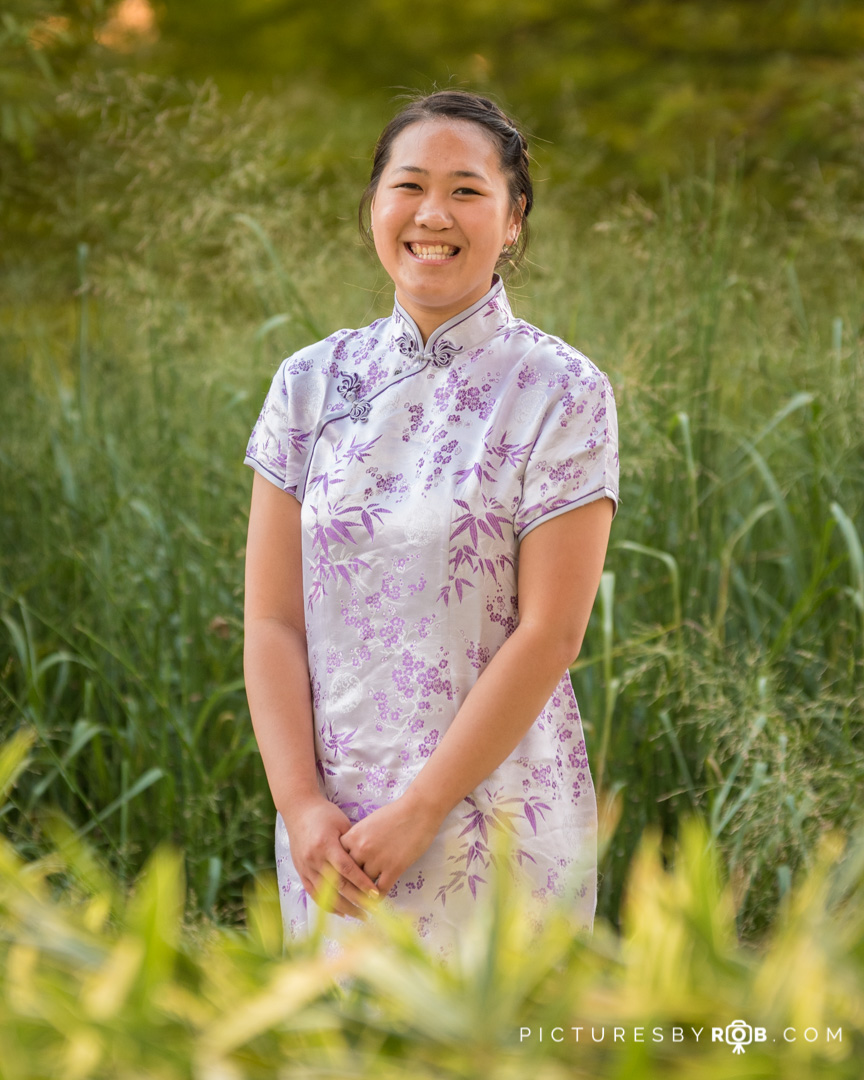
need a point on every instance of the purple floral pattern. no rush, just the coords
(411, 531)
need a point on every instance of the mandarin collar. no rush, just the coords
(460, 333)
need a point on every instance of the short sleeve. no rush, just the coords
(280, 442)
(574, 458)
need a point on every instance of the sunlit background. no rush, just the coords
(178, 191)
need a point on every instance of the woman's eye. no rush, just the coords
(466, 191)
(409, 184)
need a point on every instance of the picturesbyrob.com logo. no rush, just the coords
(739, 1034)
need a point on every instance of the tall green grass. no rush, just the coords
(737, 669)
(189, 248)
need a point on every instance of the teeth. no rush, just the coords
(433, 251)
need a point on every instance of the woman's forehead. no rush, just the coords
(440, 141)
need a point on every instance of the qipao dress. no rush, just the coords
(420, 469)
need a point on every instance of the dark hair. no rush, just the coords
(511, 144)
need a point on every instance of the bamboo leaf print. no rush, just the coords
(319, 536)
(465, 524)
(512, 453)
(501, 820)
(463, 474)
(495, 521)
(360, 451)
(459, 583)
(341, 530)
(338, 530)
(472, 884)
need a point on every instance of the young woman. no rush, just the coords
(426, 537)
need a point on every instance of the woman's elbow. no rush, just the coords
(557, 645)
(570, 647)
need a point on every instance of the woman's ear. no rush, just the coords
(516, 220)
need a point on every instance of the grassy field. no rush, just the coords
(147, 298)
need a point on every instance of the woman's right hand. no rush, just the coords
(314, 828)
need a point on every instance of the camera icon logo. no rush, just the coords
(739, 1034)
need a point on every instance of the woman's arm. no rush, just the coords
(560, 563)
(276, 666)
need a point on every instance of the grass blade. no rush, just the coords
(141, 784)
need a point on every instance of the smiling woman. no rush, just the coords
(417, 585)
(441, 216)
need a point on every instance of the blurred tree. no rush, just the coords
(628, 91)
(638, 85)
(41, 41)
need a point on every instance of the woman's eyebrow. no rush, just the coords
(425, 172)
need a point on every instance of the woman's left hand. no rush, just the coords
(389, 840)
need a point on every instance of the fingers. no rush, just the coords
(330, 874)
(372, 872)
(346, 888)
(386, 881)
(351, 893)
(341, 885)
(370, 864)
(344, 864)
(322, 888)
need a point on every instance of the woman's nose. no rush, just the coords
(432, 213)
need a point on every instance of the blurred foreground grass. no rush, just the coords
(176, 250)
(97, 984)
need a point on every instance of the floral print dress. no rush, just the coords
(419, 470)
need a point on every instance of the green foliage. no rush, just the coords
(735, 657)
(40, 43)
(629, 91)
(95, 983)
(630, 87)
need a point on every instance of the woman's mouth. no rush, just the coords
(432, 252)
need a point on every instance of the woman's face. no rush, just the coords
(440, 216)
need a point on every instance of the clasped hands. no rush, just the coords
(362, 860)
